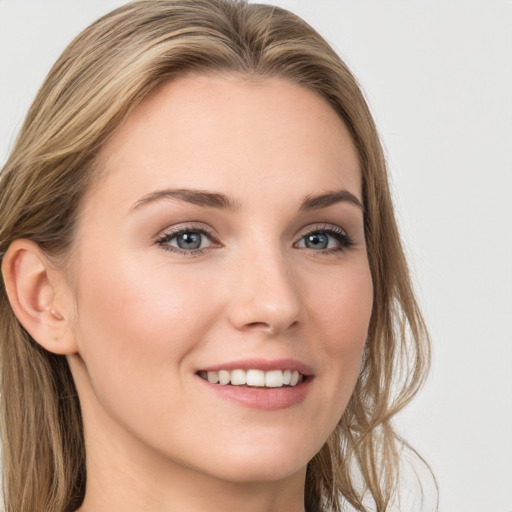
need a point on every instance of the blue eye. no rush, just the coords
(316, 241)
(189, 240)
(186, 240)
(328, 239)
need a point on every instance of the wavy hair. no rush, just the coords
(92, 88)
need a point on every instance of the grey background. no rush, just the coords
(438, 76)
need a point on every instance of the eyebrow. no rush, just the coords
(315, 202)
(217, 200)
(199, 197)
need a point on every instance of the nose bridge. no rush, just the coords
(265, 292)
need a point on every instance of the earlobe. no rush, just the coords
(37, 291)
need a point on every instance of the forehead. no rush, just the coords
(231, 132)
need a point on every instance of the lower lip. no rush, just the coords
(267, 399)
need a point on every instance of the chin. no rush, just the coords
(271, 460)
(263, 471)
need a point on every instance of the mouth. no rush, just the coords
(253, 378)
(258, 383)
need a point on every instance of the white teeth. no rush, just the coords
(274, 379)
(256, 378)
(213, 377)
(224, 377)
(238, 377)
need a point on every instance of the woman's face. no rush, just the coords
(223, 240)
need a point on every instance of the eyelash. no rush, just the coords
(342, 238)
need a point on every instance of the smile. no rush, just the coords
(253, 378)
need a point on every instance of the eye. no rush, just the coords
(186, 240)
(327, 239)
(189, 240)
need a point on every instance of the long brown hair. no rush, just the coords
(92, 88)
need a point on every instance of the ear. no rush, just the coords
(39, 296)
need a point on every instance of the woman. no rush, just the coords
(205, 303)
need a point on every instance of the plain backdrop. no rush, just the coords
(438, 77)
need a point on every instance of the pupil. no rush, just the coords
(189, 240)
(317, 241)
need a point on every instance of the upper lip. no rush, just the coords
(262, 364)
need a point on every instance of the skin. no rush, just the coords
(150, 318)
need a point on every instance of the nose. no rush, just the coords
(264, 294)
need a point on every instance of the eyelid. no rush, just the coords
(312, 228)
(320, 226)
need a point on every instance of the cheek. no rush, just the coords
(342, 306)
(139, 323)
(340, 328)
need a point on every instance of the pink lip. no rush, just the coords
(267, 399)
(262, 364)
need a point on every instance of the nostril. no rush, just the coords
(260, 325)
(272, 328)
